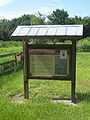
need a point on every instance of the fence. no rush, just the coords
(14, 64)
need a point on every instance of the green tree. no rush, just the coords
(75, 20)
(86, 23)
(4, 29)
(59, 17)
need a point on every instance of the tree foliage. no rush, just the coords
(59, 17)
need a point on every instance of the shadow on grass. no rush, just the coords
(83, 97)
(61, 98)
(80, 97)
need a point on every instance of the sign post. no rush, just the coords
(52, 57)
(26, 70)
(55, 62)
(73, 81)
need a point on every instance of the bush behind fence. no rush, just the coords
(83, 48)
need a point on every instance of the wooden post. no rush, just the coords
(26, 56)
(16, 60)
(73, 82)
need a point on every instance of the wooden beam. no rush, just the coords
(73, 77)
(26, 56)
(67, 78)
(26, 38)
(11, 61)
(50, 46)
(7, 55)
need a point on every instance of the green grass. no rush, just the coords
(40, 107)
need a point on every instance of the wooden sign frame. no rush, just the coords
(51, 47)
(72, 66)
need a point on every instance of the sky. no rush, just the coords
(10, 9)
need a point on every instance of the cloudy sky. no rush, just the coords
(15, 8)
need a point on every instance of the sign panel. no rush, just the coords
(41, 65)
(49, 62)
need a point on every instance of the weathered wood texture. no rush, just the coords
(73, 64)
(49, 46)
(6, 55)
(26, 59)
(8, 62)
(63, 78)
(11, 61)
(35, 48)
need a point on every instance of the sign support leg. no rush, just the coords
(73, 82)
(26, 56)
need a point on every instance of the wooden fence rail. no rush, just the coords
(6, 55)
(4, 63)
(15, 62)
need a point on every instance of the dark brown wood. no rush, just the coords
(73, 82)
(16, 60)
(47, 37)
(70, 63)
(67, 78)
(26, 56)
(50, 46)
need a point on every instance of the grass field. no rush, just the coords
(40, 107)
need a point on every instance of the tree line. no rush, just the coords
(57, 17)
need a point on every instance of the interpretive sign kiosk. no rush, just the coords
(49, 61)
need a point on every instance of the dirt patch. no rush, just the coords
(67, 102)
(17, 98)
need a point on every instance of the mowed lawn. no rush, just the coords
(40, 106)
